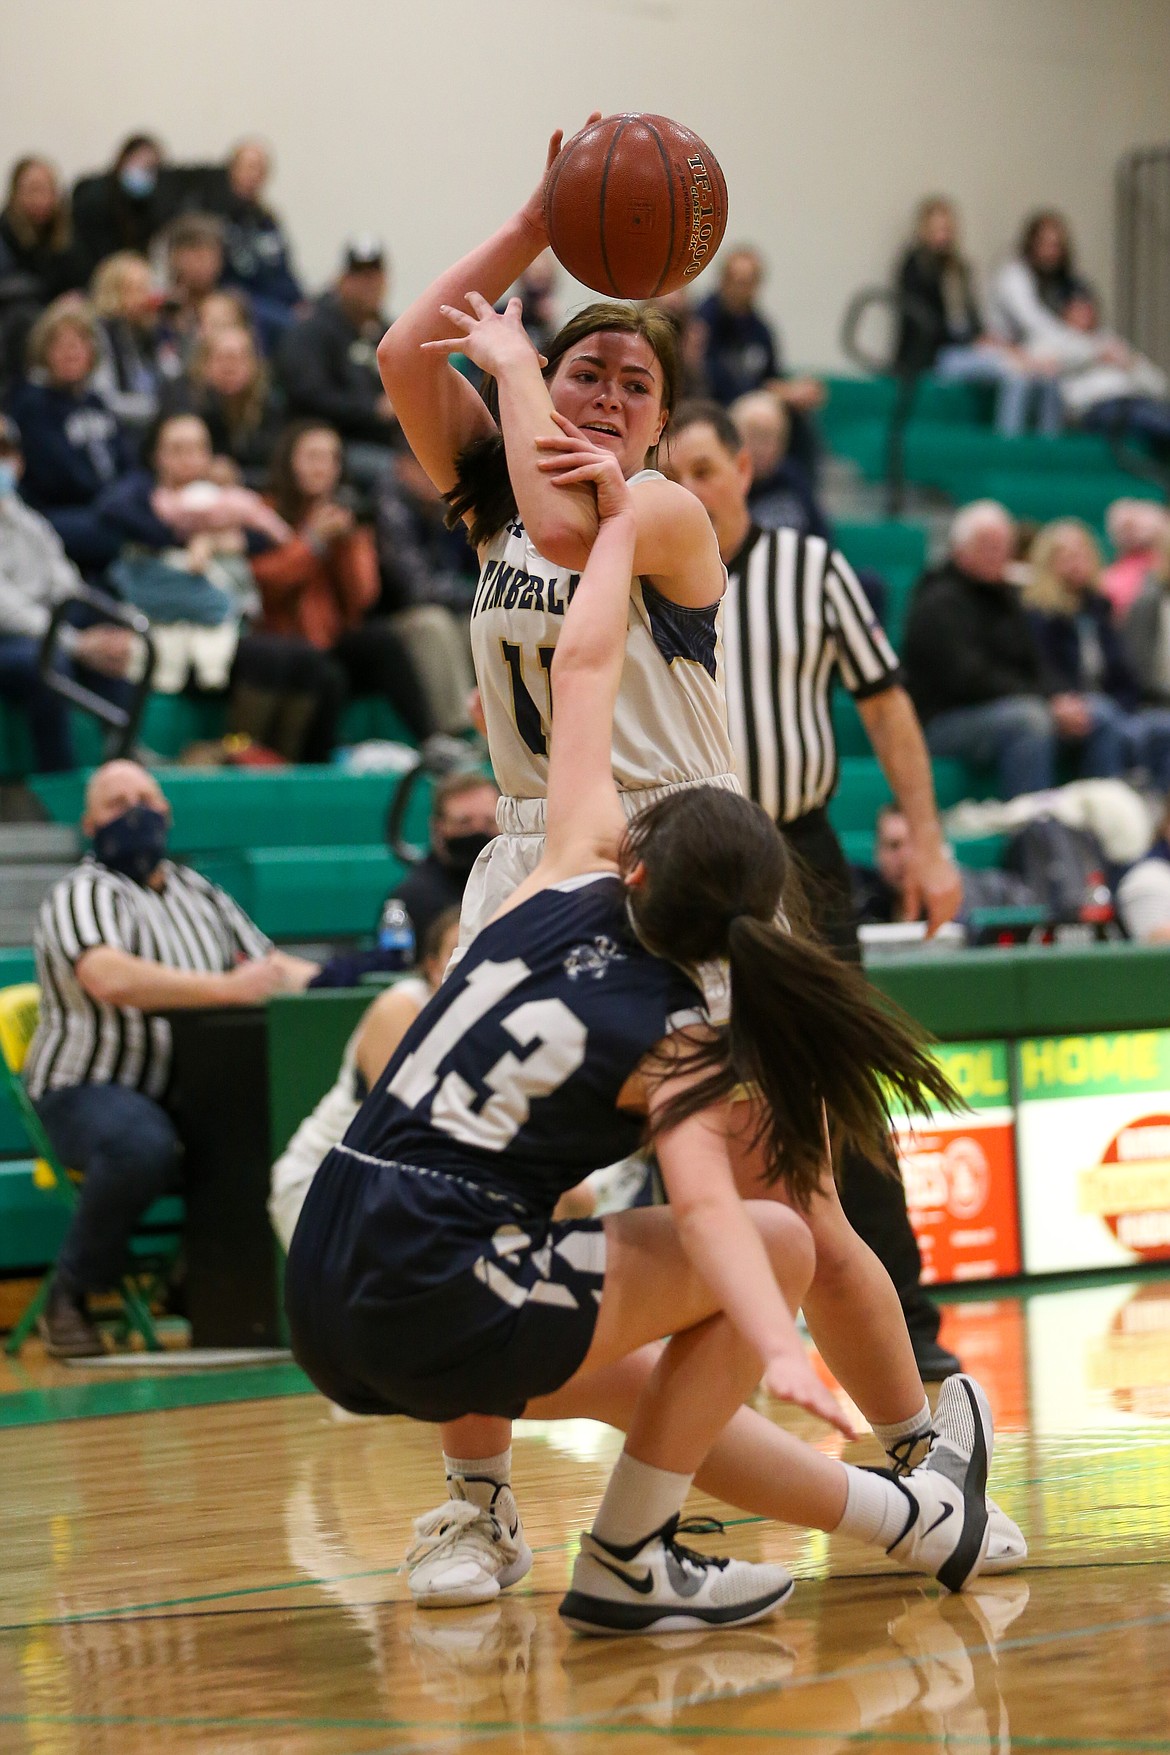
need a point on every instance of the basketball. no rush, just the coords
(636, 206)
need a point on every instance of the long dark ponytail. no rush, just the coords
(807, 1033)
(483, 490)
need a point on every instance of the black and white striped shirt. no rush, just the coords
(793, 614)
(187, 924)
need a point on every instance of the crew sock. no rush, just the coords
(637, 1501)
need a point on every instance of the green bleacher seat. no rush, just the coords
(1030, 495)
(309, 892)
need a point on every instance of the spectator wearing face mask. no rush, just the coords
(123, 207)
(125, 937)
(463, 821)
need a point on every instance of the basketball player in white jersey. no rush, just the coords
(612, 372)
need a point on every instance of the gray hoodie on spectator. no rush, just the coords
(35, 573)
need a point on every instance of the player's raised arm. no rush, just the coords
(584, 818)
(440, 412)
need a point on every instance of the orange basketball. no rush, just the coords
(636, 206)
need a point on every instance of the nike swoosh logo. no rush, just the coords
(514, 1531)
(941, 1518)
(643, 1585)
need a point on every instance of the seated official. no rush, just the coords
(882, 894)
(124, 938)
(463, 821)
(35, 576)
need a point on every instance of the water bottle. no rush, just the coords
(396, 935)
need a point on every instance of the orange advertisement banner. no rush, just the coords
(961, 1195)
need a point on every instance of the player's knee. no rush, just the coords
(789, 1243)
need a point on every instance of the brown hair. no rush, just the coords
(59, 231)
(283, 488)
(243, 412)
(805, 1030)
(483, 488)
(454, 786)
(192, 230)
(698, 412)
(67, 312)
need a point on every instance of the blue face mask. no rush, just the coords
(9, 476)
(138, 181)
(134, 843)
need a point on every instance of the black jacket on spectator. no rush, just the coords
(427, 891)
(106, 219)
(786, 500)
(1083, 654)
(73, 446)
(258, 258)
(419, 559)
(966, 643)
(741, 350)
(947, 302)
(329, 370)
(49, 271)
(252, 448)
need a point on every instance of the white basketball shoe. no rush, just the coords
(1006, 1546)
(658, 1586)
(947, 1528)
(463, 1554)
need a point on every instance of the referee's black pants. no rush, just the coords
(874, 1201)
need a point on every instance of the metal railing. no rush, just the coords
(121, 722)
(907, 363)
(1143, 251)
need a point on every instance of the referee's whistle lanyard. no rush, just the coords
(133, 844)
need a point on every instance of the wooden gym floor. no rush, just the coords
(180, 1572)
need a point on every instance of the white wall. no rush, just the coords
(425, 120)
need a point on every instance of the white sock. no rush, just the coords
(637, 1501)
(476, 1478)
(875, 1509)
(917, 1427)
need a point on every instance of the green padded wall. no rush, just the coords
(307, 1033)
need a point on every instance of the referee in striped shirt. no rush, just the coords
(794, 617)
(126, 937)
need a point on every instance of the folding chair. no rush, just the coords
(19, 1008)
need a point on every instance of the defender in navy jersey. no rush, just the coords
(425, 1274)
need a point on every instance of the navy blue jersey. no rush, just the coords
(510, 1077)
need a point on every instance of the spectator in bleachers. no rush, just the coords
(741, 351)
(1083, 656)
(74, 447)
(121, 208)
(1041, 303)
(328, 362)
(194, 255)
(320, 584)
(537, 291)
(259, 259)
(428, 575)
(781, 496)
(228, 386)
(972, 663)
(187, 542)
(126, 937)
(463, 821)
(1136, 531)
(36, 233)
(36, 575)
(942, 330)
(138, 357)
(1143, 895)
(225, 308)
(692, 344)
(1146, 629)
(883, 894)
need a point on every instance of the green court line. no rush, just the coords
(143, 1394)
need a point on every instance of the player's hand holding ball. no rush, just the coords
(570, 457)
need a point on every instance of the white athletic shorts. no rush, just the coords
(514, 854)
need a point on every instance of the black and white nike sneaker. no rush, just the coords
(947, 1526)
(658, 1586)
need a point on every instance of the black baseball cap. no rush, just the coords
(9, 434)
(361, 252)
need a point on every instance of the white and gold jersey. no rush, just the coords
(670, 721)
